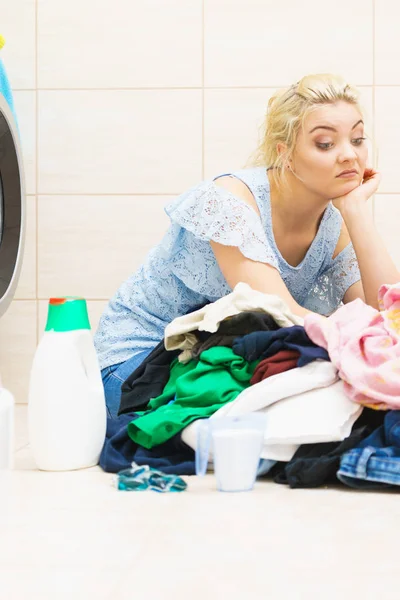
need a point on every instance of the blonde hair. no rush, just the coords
(286, 114)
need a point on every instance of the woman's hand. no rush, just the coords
(358, 197)
(374, 261)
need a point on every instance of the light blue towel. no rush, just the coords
(5, 89)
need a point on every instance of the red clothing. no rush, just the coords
(280, 362)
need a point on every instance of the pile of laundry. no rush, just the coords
(330, 388)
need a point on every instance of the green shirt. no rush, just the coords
(199, 388)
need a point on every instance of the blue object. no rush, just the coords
(138, 479)
(375, 462)
(173, 457)
(263, 344)
(181, 272)
(113, 377)
(5, 90)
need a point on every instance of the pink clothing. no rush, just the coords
(364, 345)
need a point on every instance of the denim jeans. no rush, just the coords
(376, 460)
(113, 378)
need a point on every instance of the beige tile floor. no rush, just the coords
(73, 536)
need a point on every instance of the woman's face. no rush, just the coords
(330, 143)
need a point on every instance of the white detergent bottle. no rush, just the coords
(66, 410)
(6, 429)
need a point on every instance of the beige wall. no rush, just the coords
(125, 103)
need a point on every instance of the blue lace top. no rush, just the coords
(182, 273)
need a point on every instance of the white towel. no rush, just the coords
(304, 405)
(177, 333)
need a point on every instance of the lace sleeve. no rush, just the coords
(210, 212)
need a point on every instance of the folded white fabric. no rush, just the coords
(305, 405)
(177, 333)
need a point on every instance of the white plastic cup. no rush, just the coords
(236, 443)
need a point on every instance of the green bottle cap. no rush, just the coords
(67, 314)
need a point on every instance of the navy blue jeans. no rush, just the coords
(113, 377)
(375, 462)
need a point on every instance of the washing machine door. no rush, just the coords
(12, 206)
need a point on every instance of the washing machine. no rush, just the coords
(12, 206)
(12, 236)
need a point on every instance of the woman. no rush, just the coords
(273, 226)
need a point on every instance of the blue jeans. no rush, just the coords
(376, 460)
(113, 377)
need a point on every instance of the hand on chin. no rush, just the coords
(356, 194)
